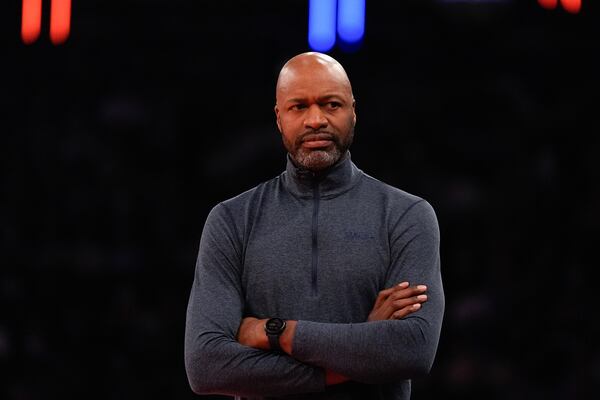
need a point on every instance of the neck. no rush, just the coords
(332, 181)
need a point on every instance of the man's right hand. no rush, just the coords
(398, 302)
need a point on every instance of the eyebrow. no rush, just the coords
(321, 98)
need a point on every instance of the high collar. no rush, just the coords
(332, 182)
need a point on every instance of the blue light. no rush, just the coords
(321, 24)
(351, 20)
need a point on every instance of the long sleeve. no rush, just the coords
(386, 351)
(215, 362)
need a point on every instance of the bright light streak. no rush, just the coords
(572, 6)
(321, 24)
(351, 20)
(31, 21)
(60, 21)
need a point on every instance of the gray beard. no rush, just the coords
(318, 160)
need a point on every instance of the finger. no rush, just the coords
(406, 311)
(391, 307)
(402, 303)
(401, 285)
(408, 292)
(388, 291)
(386, 308)
(384, 294)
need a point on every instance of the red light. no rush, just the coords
(31, 21)
(60, 21)
(548, 4)
(572, 6)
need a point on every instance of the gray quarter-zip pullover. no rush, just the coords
(316, 249)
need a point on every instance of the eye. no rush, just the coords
(297, 107)
(333, 105)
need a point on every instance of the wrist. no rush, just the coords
(286, 340)
(286, 337)
(261, 335)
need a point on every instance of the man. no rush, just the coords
(313, 283)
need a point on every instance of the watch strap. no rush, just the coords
(274, 342)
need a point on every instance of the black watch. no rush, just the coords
(274, 327)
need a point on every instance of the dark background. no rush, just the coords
(115, 145)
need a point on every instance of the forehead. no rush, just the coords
(313, 80)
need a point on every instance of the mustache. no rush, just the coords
(316, 135)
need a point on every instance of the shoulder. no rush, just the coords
(400, 205)
(233, 215)
(240, 205)
(249, 196)
(395, 196)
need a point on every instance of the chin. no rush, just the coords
(318, 160)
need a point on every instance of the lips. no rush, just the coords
(317, 140)
(317, 136)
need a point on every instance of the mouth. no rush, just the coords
(317, 140)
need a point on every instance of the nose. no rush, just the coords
(314, 118)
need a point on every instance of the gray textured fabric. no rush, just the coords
(316, 249)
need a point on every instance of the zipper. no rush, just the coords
(315, 250)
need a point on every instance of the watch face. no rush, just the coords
(274, 325)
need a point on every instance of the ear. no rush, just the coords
(353, 112)
(278, 118)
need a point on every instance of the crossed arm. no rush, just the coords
(396, 302)
(225, 352)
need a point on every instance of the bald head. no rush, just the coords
(315, 110)
(315, 66)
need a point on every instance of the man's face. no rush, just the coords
(315, 115)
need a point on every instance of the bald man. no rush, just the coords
(322, 283)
